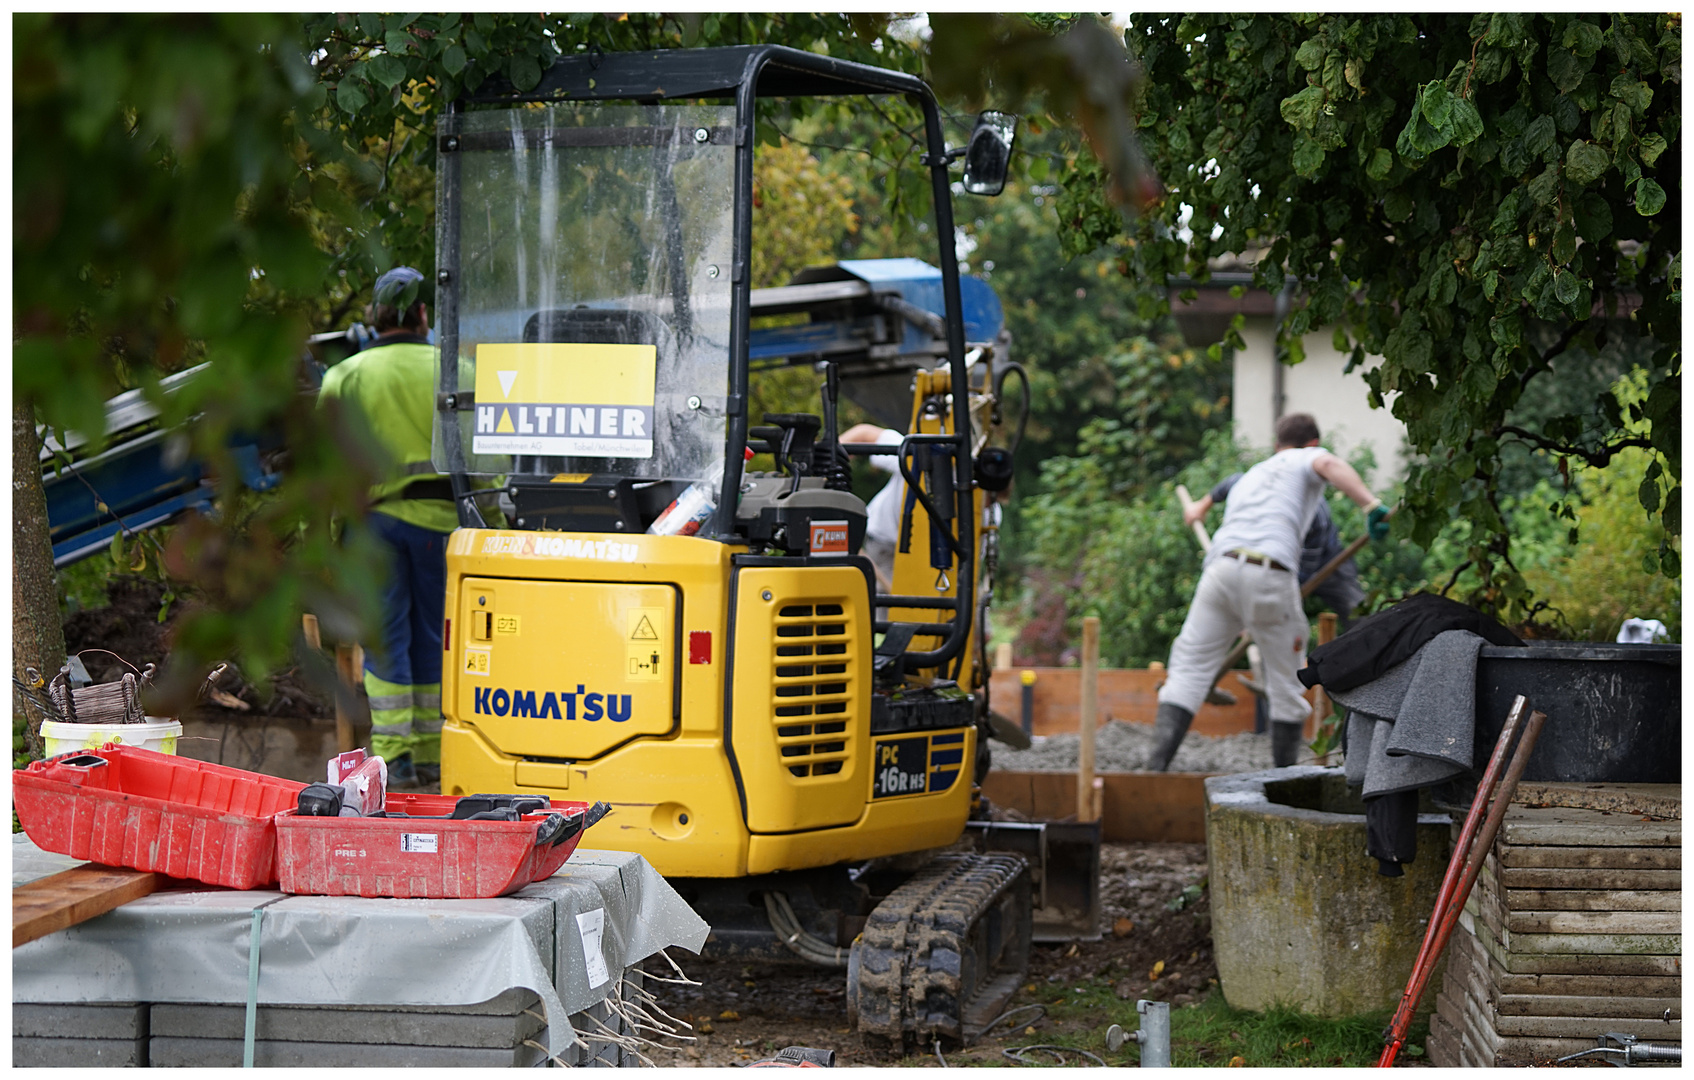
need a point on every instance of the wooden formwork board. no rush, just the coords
(1127, 694)
(1136, 807)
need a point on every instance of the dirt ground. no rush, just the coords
(742, 1012)
(128, 630)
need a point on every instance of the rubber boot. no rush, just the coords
(1169, 726)
(1285, 744)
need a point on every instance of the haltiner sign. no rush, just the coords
(566, 400)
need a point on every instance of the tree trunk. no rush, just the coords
(38, 636)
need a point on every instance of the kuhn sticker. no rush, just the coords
(829, 538)
(560, 547)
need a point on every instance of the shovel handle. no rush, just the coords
(1199, 527)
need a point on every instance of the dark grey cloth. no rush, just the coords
(1415, 725)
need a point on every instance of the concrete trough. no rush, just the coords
(1300, 916)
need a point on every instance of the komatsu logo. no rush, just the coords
(563, 547)
(546, 705)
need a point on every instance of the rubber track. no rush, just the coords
(917, 969)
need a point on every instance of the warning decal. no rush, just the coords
(477, 662)
(565, 399)
(642, 649)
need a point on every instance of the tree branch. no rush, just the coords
(1543, 361)
(1599, 457)
(1454, 580)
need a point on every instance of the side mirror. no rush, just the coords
(989, 153)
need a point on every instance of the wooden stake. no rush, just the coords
(348, 660)
(1320, 698)
(1003, 656)
(1086, 806)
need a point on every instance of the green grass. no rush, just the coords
(1205, 1033)
(1212, 1033)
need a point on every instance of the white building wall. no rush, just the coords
(1338, 402)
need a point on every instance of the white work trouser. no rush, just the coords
(1234, 595)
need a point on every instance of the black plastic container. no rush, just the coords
(1614, 712)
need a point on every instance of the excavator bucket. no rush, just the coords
(1064, 866)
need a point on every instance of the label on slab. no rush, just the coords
(427, 843)
(573, 400)
(591, 926)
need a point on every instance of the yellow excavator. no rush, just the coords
(701, 646)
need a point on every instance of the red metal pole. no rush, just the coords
(1473, 818)
(1445, 918)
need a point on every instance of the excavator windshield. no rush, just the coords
(593, 290)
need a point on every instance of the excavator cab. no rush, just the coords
(774, 729)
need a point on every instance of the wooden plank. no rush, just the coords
(1454, 1009)
(1136, 807)
(1586, 1005)
(1582, 963)
(1590, 858)
(62, 900)
(1445, 1045)
(1568, 827)
(1587, 1027)
(1528, 877)
(1595, 944)
(1665, 900)
(1659, 800)
(1620, 987)
(1594, 922)
(1479, 1022)
(1127, 694)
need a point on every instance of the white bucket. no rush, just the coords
(157, 733)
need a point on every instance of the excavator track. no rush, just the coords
(944, 952)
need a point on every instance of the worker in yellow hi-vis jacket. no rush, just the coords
(389, 389)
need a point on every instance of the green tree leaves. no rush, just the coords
(1504, 178)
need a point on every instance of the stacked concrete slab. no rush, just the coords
(1573, 930)
(86, 1036)
(507, 1031)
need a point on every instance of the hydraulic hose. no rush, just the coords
(802, 943)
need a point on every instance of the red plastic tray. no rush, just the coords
(417, 859)
(158, 812)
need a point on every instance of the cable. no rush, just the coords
(938, 1056)
(1016, 1053)
(1012, 1012)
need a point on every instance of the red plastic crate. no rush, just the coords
(417, 858)
(157, 812)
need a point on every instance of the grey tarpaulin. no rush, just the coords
(1415, 725)
(191, 945)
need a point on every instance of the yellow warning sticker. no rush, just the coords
(644, 648)
(477, 662)
(506, 624)
(569, 399)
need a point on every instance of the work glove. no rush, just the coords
(1377, 522)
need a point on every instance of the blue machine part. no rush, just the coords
(911, 280)
(138, 482)
(920, 283)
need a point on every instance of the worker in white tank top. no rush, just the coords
(1249, 583)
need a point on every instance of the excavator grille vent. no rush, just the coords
(813, 692)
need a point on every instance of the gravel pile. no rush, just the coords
(1124, 747)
